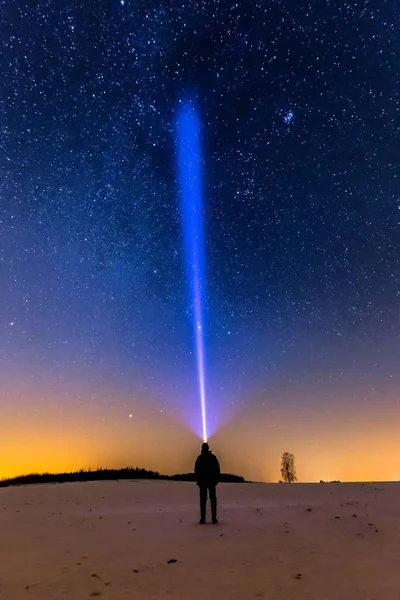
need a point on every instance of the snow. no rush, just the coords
(114, 539)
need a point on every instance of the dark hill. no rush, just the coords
(106, 475)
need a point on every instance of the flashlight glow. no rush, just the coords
(189, 168)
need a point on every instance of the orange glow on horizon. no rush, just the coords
(339, 448)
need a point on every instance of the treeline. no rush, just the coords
(101, 474)
(225, 478)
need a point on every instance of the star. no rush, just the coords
(288, 117)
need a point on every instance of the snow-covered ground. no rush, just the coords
(114, 540)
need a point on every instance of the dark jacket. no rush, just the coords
(207, 470)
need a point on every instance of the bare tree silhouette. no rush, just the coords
(288, 470)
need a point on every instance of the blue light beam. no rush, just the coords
(191, 194)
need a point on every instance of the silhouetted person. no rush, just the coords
(207, 472)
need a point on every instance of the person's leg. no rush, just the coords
(203, 504)
(213, 501)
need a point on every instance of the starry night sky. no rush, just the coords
(300, 112)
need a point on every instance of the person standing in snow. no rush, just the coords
(207, 472)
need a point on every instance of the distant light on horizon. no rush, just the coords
(189, 169)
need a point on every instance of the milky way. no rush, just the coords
(301, 127)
